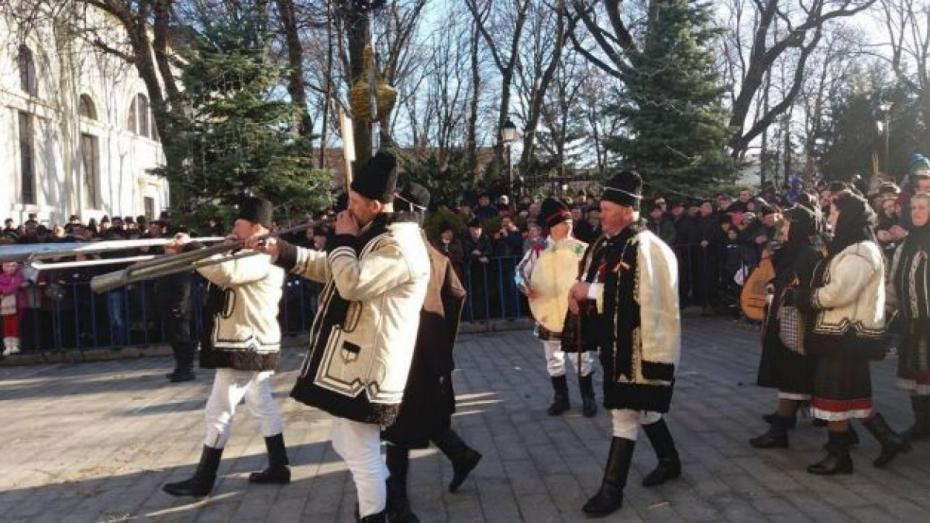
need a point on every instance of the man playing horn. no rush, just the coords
(376, 271)
(242, 342)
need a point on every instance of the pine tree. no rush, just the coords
(239, 134)
(676, 125)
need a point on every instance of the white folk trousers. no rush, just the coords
(230, 386)
(626, 422)
(555, 359)
(359, 445)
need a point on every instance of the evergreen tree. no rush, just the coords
(239, 135)
(676, 125)
(853, 137)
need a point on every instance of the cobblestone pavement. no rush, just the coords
(95, 442)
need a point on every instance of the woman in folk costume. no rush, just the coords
(846, 311)
(788, 369)
(546, 275)
(243, 345)
(908, 292)
(631, 278)
(429, 401)
(376, 270)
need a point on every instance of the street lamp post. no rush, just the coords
(508, 136)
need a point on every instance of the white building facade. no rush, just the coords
(77, 135)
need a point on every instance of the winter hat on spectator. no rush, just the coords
(474, 222)
(919, 162)
(624, 188)
(377, 178)
(412, 198)
(255, 210)
(553, 212)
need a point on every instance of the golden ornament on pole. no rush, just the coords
(360, 93)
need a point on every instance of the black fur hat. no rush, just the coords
(377, 178)
(624, 188)
(256, 210)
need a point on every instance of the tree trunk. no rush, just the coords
(471, 139)
(295, 84)
(359, 35)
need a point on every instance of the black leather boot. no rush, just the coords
(204, 477)
(464, 458)
(380, 517)
(588, 403)
(398, 506)
(892, 443)
(610, 496)
(560, 401)
(921, 427)
(774, 438)
(837, 460)
(277, 471)
(669, 466)
(792, 421)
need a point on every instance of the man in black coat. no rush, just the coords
(173, 299)
(478, 251)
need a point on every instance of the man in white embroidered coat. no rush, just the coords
(631, 276)
(376, 272)
(243, 345)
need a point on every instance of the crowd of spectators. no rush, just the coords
(718, 241)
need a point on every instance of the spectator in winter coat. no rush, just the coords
(660, 225)
(478, 251)
(485, 210)
(12, 299)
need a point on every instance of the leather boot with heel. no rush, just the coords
(464, 458)
(669, 466)
(609, 497)
(277, 472)
(204, 477)
(588, 402)
(774, 438)
(892, 443)
(837, 460)
(398, 505)
(560, 401)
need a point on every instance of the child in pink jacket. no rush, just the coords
(11, 300)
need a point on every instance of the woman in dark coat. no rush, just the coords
(908, 292)
(846, 323)
(781, 368)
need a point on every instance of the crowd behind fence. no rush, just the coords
(65, 314)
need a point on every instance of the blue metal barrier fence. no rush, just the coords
(67, 315)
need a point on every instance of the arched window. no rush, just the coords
(139, 120)
(86, 107)
(132, 122)
(142, 107)
(27, 71)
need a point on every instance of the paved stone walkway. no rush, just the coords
(95, 441)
